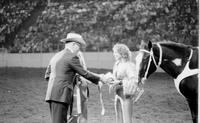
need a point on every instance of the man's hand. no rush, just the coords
(103, 78)
(106, 78)
(109, 77)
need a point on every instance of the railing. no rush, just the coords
(99, 60)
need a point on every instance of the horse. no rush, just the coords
(179, 61)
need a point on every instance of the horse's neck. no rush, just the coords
(175, 57)
(172, 69)
(172, 66)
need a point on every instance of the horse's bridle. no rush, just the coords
(152, 57)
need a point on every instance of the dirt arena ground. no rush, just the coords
(22, 92)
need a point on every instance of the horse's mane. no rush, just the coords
(177, 47)
(174, 44)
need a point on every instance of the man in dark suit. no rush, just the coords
(60, 75)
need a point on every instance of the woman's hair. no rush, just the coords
(123, 50)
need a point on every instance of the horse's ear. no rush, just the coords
(142, 44)
(150, 45)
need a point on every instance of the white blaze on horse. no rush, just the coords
(179, 61)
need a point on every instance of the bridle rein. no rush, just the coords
(152, 57)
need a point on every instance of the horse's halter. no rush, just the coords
(152, 57)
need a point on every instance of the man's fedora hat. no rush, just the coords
(74, 37)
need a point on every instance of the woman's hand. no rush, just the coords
(114, 85)
(129, 86)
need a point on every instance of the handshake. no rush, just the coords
(107, 78)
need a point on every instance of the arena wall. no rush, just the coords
(100, 60)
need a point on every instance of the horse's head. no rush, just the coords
(145, 61)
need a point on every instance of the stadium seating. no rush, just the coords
(60, 18)
(101, 23)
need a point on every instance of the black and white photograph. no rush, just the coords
(99, 61)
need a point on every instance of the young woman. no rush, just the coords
(125, 83)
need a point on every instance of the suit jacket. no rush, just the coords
(61, 73)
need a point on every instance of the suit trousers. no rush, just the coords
(58, 111)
